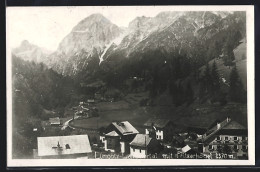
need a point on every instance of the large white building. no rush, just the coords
(63, 146)
(228, 137)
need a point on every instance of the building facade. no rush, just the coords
(227, 137)
(117, 137)
(161, 129)
(143, 145)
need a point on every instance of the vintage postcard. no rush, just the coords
(130, 86)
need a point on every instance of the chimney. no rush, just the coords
(228, 119)
(218, 125)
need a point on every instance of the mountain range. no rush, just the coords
(96, 41)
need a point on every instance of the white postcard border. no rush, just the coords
(148, 162)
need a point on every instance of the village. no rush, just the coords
(220, 139)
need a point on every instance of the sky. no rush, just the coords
(47, 26)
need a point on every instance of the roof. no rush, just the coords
(179, 139)
(185, 149)
(234, 126)
(112, 133)
(141, 140)
(159, 123)
(125, 128)
(226, 127)
(198, 121)
(54, 120)
(48, 146)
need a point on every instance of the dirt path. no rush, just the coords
(66, 124)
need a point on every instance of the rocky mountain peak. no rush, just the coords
(95, 31)
(94, 19)
(24, 46)
(31, 52)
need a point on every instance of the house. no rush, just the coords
(117, 137)
(227, 137)
(63, 146)
(163, 128)
(55, 121)
(91, 101)
(143, 145)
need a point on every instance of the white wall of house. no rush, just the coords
(122, 146)
(238, 142)
(102, 138)
(229, 138)
(159, 134)
(138, 153)
(146, 131)
(106, 149)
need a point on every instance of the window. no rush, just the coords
(235, 139)
(218, 147)
(210, 147)
(159, 137)
(133, 150)
(226, 139)
(140, 150)
(244, 138)
(244, 147)
(235, 147)
(67, 146)
(218, 138)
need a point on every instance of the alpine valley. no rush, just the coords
(182, 66)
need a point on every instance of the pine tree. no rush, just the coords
(215, 78)
(189, 93)
(207, 79)
(236, 90)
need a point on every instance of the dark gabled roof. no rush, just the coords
(179, 139)
(159, 123)
(125, 128)
(141, 140)
(198, 121)
(233, 125)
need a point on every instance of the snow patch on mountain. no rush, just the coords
(116, 41)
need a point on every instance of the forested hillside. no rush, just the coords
(37, 92)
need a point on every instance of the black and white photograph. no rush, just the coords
(130, 85)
